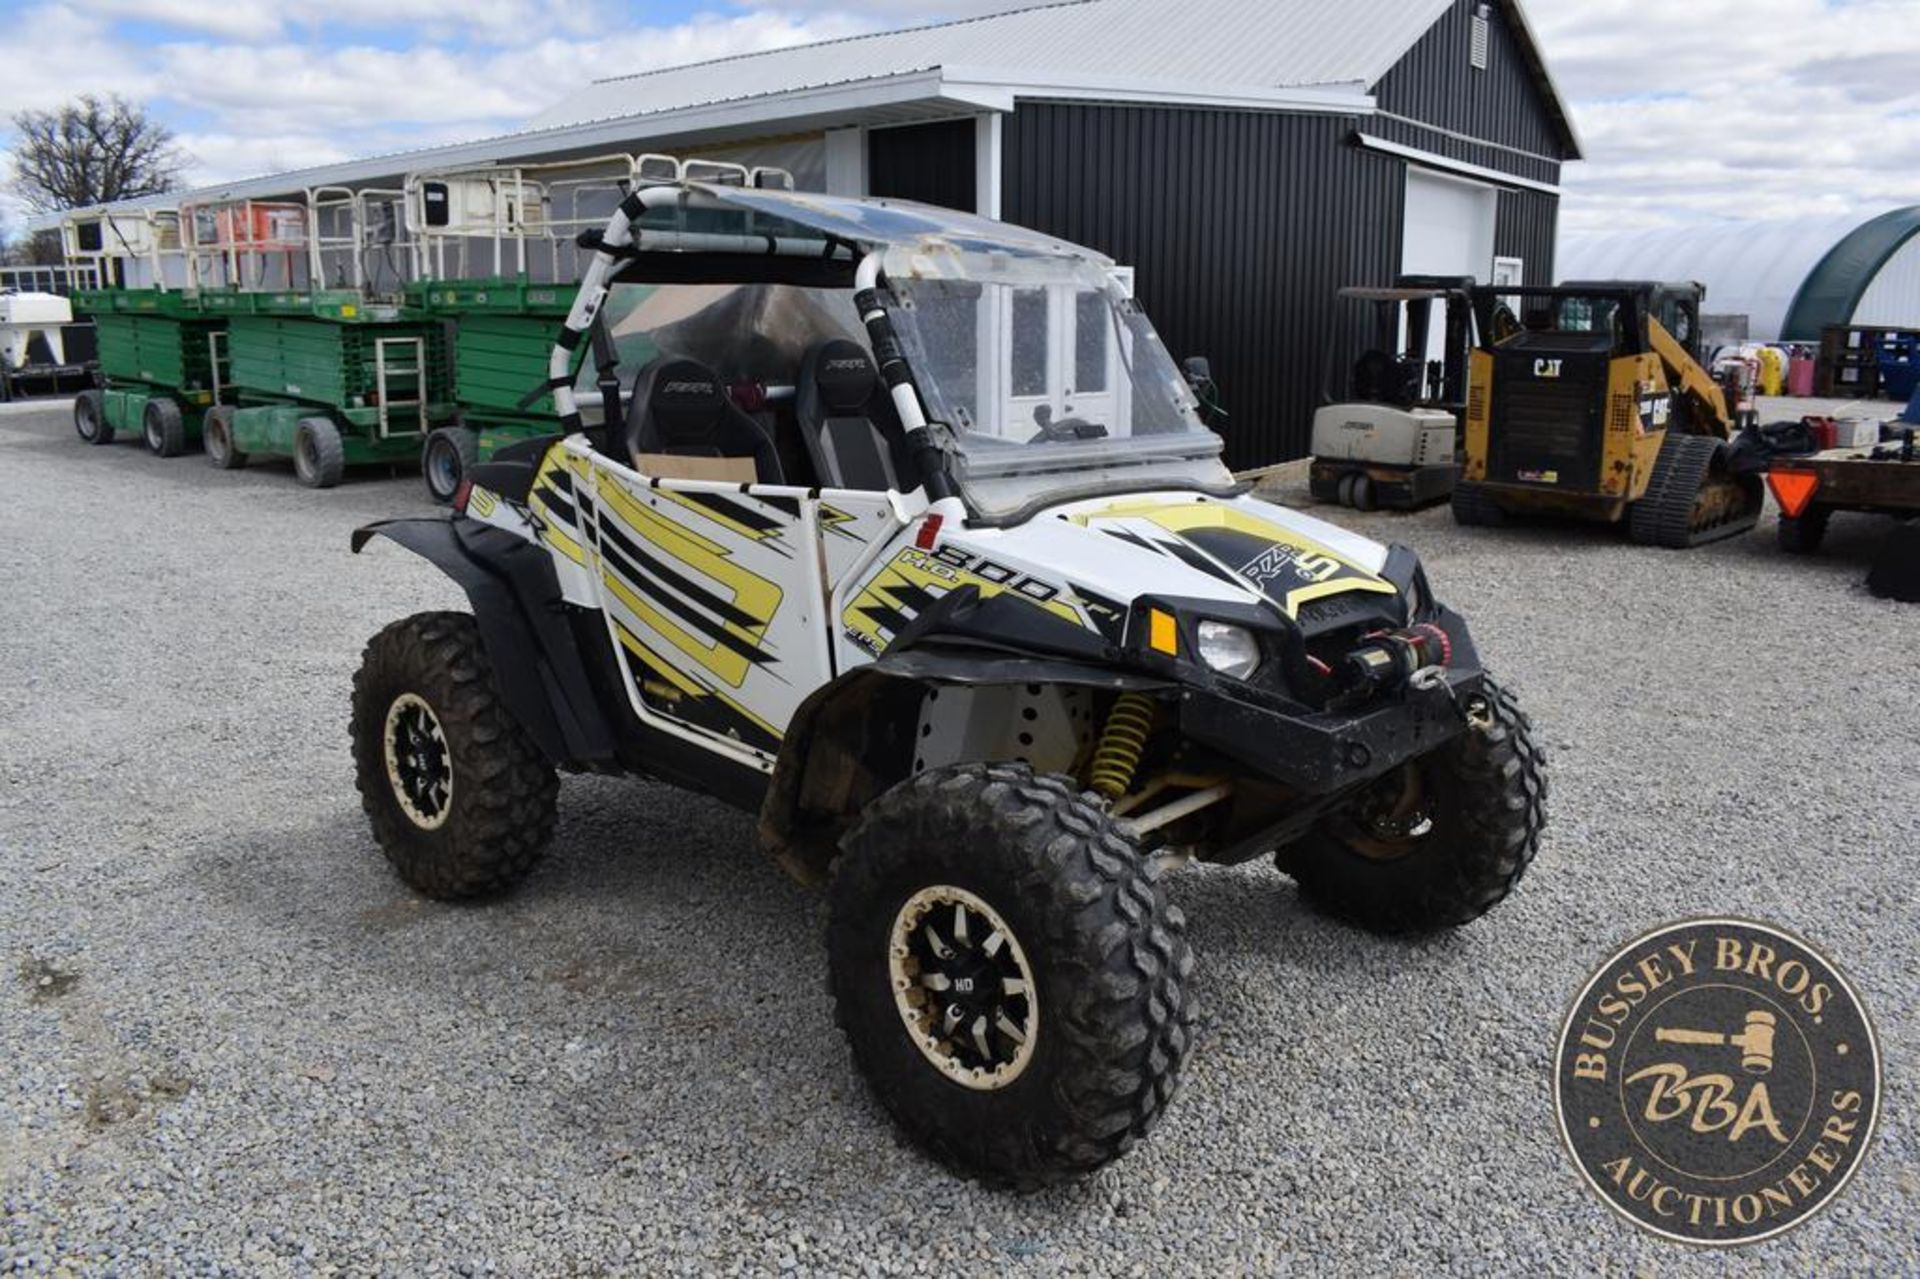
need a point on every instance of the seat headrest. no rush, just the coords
(845, 375)
(684, 399)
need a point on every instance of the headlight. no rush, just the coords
(1231, 650)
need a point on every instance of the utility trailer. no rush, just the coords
(1884, 480)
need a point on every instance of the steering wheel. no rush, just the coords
(1068, 430)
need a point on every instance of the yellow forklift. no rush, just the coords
(1590, 400)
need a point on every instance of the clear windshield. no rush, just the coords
(1050, 380)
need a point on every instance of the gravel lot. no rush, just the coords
(236, 1044)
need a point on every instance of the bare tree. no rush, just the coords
(92, 151)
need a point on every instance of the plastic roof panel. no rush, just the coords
(1752, 269)
(903, 224)
(1270, 44)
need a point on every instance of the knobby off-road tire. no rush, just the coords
(489, 827)
(216, 434)
(1484, 795)
(1111, 1017)
(319, 458)
(90, 417)
(163, 428)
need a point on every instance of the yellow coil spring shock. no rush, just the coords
(1122, 742)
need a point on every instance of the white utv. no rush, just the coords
(908, 539)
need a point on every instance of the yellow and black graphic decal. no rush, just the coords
(834, 520)
(743, 516)
(1239, 547)
(552, 503)
(687, 589)
(916, 580)
(690, 696)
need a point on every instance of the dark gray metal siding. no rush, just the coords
(1527, 229)
(1435, 84)
(934, 163)
(1242, 226)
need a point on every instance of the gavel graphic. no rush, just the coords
(1755, 1042)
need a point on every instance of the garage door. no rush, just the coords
(1449, 226)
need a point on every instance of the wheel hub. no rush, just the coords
(419, 769)
(964, 988)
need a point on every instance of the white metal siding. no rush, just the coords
(1893, 299)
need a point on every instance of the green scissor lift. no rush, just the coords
(161, 367)
(329, 379)
(503, 334)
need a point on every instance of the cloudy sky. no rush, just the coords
(1700, 109)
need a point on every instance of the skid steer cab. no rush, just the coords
(906, 537)
(1589, 401)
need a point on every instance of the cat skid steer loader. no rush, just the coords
(1590, 401)
(910, 540)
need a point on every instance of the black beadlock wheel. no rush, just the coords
(1439, 842)
(90, 417)
(161, 424)
(216, 434)
(1474, 507)
(1008, 972)
(319, 457)
(461, 800)
(450, 453)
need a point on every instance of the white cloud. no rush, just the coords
(1709, 109)
(1736, 109)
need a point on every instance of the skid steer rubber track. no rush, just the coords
(1690, 499)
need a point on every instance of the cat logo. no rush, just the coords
(1547, 368)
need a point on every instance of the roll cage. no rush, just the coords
(790, 238)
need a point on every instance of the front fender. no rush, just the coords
(537, 665)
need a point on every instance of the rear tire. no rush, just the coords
(217, 435)
(161, 425)
(1474, 507)
(319, 458)
(1105, 1030)
(1481, 799)
(450, 454)
(1803, 535)
(461, 800)
(90, 417)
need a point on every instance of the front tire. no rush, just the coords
(461, 800)
(90, 417)
(1439, 842)
(1013, 1088)
(319, 458)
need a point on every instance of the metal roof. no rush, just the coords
(1269, 44)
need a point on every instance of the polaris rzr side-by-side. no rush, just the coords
(907, 538)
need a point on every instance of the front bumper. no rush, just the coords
(1322, 753)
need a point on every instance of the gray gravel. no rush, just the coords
(236, 1044)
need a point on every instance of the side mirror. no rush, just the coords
(1199, 374)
